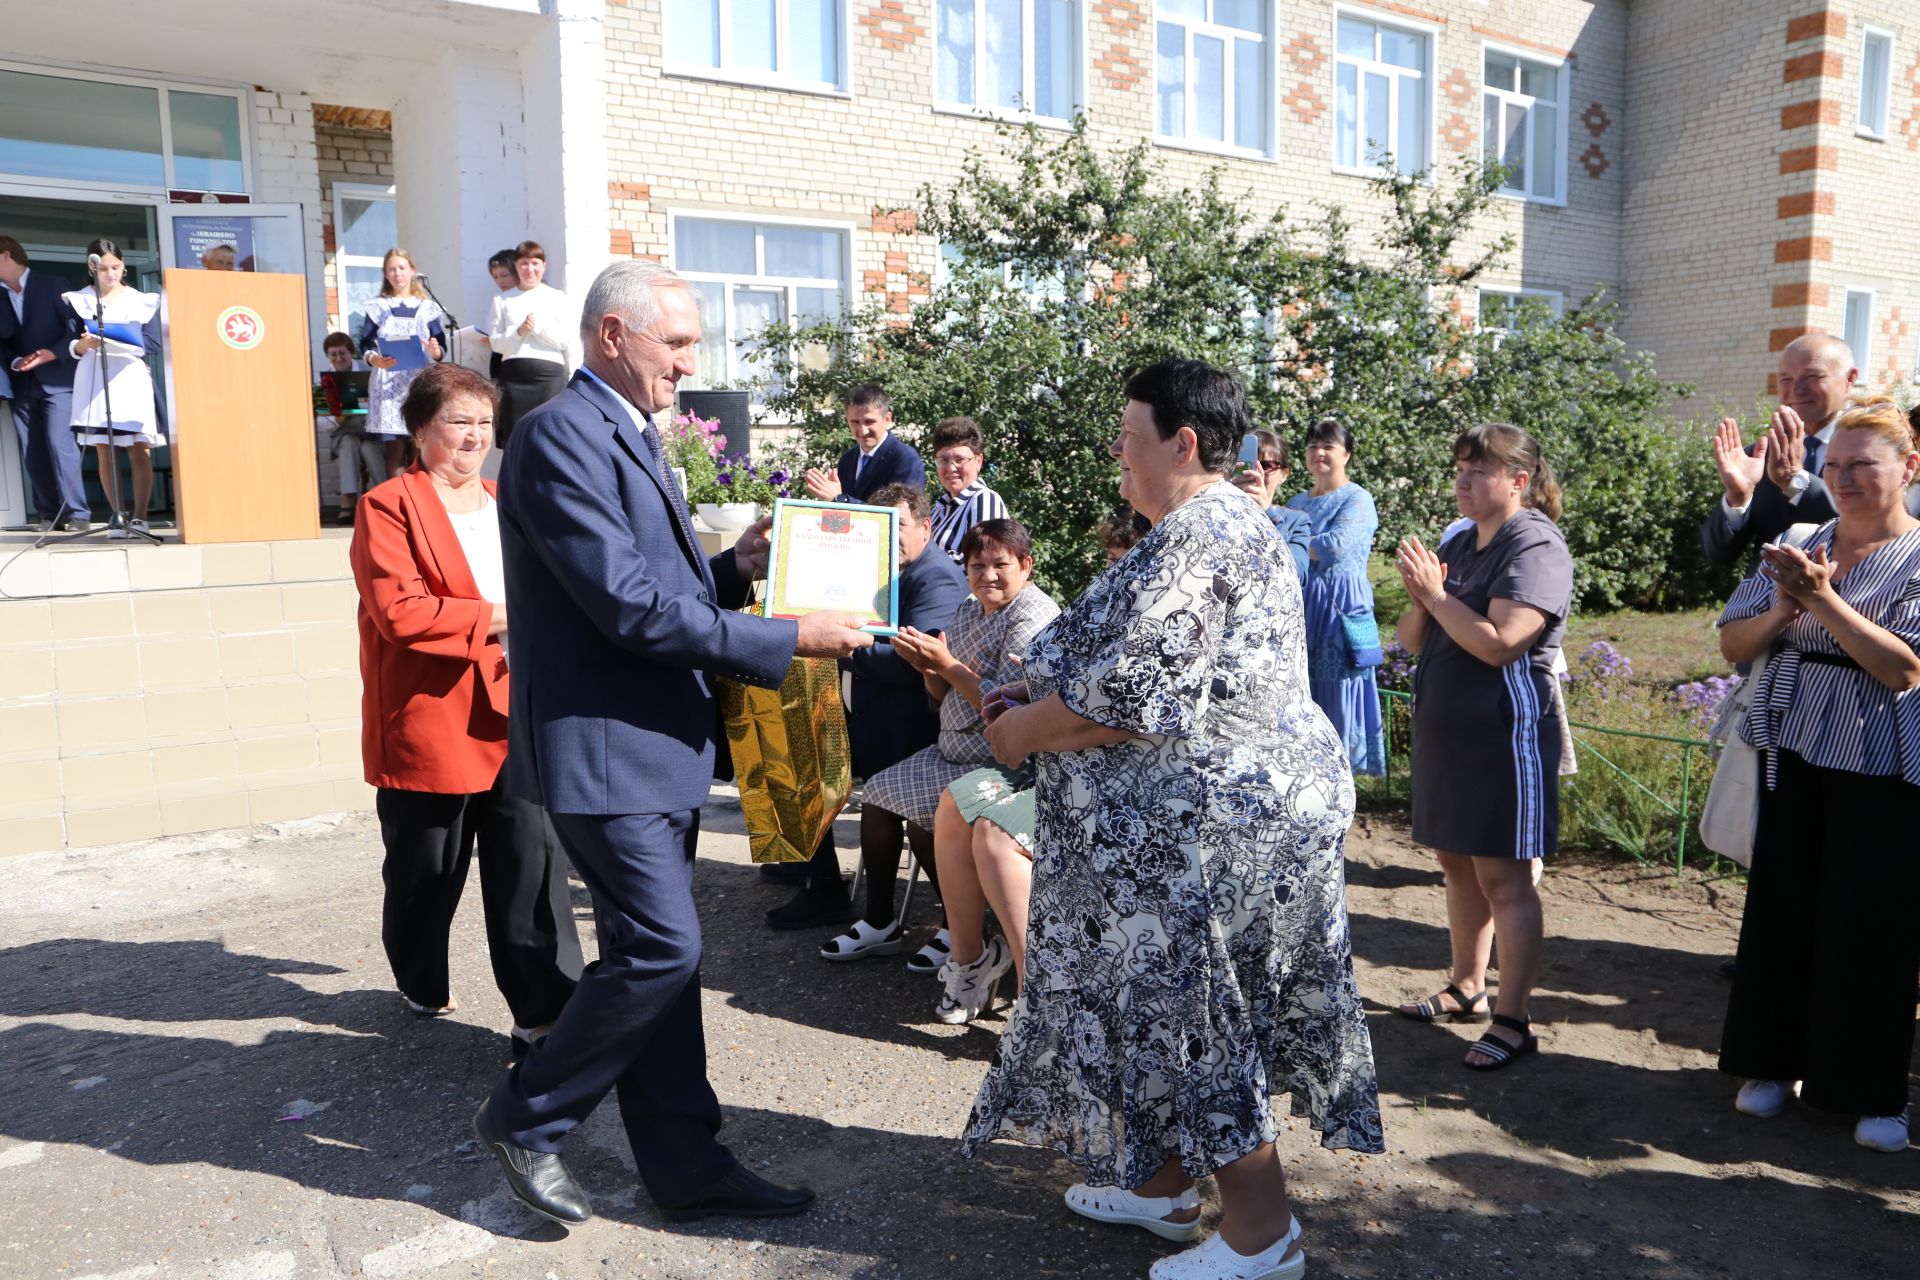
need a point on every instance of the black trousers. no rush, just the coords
(1823, 987)
(634, 1026)
(525, 385)
(430, 840)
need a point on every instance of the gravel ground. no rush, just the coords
(207, 1074)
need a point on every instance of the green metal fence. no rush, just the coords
(1681, 809)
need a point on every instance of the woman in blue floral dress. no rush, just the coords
(1343, 644)
(1188, 955)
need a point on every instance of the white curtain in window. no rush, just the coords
(1876, 61)
(955, 59)
(719, 247)
(813, 40)
(755, 31)
(1006, 56)
(1055, 55)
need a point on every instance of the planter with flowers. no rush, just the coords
(730, 491)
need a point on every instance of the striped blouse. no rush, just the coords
(952, 516)
(1817, 702)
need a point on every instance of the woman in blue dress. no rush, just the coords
(403, 310)
(1343, 641)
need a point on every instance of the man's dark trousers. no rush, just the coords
(43, 417)
(633, 1024)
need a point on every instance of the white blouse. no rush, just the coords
(555, 337)
(479, 535)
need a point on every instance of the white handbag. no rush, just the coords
(1732, 811)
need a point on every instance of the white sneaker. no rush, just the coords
(970, 987)
(1218, 1260)
(1765, 1099)
(1882, 1133)
(138, 526)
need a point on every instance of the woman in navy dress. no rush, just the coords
(403, 310)
(1489, 610)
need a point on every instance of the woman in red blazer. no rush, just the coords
(433, 715)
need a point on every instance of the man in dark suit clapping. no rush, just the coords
(34, 333)
(1776, 484)
(877, 458)
(613, 728)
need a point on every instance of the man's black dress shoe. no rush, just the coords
(538, 1179)
(740, 1194)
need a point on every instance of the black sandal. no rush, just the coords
(1431, 1010)
(1503, 1054)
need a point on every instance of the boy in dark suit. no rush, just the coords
(35, 328)
(878, 457)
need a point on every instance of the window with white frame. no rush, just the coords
(1856, 327)
(1009, 56)
(365, 225)
(796, 43)
(1876, 83)
(1502, 311)
(1382, 111)
(749, 274)
(92, 129)
(1213, 73)
(1525, 125)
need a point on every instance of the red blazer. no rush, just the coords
(433, 699)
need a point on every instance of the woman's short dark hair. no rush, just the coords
(1331, 431)
(949, 432)
(436, 385)
(505, 258)
(1192, 393)
(1272, 442)
(529, 249)
(1007, 533)
(902, 495)
(1118, 530)
(1514, 449)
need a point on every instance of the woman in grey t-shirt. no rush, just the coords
(1489, 610)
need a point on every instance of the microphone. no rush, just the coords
(93, 262)
(421, 276)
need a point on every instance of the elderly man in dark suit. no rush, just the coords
(877, 458)
(1776, 484)
(890, 716)
(35, 328)
(613, 727)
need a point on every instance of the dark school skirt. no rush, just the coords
(525, 385)
(1488, 786)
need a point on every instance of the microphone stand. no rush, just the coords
(451, 325)
(125, 512)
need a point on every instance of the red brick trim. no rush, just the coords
(901, 222)
(1778, 339)
(1812, 66)
(629, 191)
(1522, 41)
(1801, 294)
(1801, 115)
(620, 243)
(1811, 26)
(1803, 249)
(1803, 159)
(1805, 205)
(891, 25)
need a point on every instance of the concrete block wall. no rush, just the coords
(683, 143)
(230, 696)
(286, 160)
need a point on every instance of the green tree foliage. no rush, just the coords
(1069, 269)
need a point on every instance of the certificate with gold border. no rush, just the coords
(837, 557)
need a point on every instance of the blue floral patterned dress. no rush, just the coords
(1187, 954)
(1344, 523)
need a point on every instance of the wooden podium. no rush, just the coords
(242, 385)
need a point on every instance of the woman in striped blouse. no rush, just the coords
(1822, 998)
(958, 454)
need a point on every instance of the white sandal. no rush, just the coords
(863, 940)
(1218, 1260)
(1118, 1205)
(930, 958)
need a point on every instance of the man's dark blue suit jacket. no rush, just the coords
(45, 322)
(617, 622)
(894, 462)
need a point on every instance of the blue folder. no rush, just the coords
(410, 352)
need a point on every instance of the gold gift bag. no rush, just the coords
(790, 757)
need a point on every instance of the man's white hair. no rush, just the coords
(1826, 347)
(625, 289)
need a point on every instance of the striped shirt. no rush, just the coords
(952, 516)
(1817, 702)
